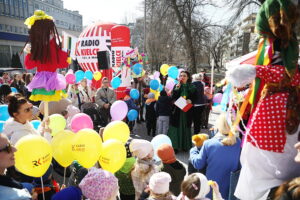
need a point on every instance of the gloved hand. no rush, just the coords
(241, 75)
(199, 139)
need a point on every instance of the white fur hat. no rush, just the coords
(204, 187)
(141, 148)
(159, 182)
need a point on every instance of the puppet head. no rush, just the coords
(41, 30)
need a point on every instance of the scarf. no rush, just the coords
(268, 27)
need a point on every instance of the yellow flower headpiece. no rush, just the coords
(38, 15)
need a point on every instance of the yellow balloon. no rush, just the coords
(33, 156)
(97, 75)
(62, 147)
(57, 123)
(86, 147)
(164, 69)
(113, 155)
(118, 130)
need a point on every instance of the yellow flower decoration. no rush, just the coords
(38, 15)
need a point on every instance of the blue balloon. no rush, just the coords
(154, 84)
(173, 72)
(132, 115)
(79, 75)
(116, 82)
(1, 126)
(137, 68)
(161, 87)
(14, 90)
(176, 82)
(157, 141)
(36, 124)
(134, 94)
(88, 75)
(4, 115)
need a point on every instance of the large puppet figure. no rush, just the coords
(273, 128)
(46, 55)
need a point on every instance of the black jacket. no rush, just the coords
(163, 106)
(199, 97)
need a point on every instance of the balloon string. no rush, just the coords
(43, 188)
(64, 176)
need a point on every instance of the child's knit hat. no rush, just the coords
(151, 95)
(141, 148)
(159, 182)
(99, 184)
(166, 153)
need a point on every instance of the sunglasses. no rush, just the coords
(8, 148)
(28, 109)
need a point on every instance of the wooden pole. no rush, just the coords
(46, 112)
(212, 77)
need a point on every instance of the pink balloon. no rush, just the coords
(70, 78)
(81, 121)
(217, 98)
(118, 110)
(170, 85)
(156, 75)
(179, 71)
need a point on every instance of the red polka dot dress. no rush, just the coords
(267, 125)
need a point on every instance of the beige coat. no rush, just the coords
(102, 94)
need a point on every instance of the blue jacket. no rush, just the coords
(9, 193)
(131, 105)
(219, 161)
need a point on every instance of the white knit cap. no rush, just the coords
(159, 182)
(141, 148)
(204, 187)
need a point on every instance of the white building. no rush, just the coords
(13, 32)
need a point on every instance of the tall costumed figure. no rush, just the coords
(268, 152)
(44, 52)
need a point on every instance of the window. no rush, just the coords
(6, 1)
(36, 6)
(1, 27)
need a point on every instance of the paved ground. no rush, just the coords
(140, 131)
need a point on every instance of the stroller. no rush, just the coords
(92, 109)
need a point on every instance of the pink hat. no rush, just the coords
(99, 184)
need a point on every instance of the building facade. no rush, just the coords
(241, 39)
(13, 32)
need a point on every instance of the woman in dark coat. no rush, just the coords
(180, 122)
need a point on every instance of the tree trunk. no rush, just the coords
(188, 37)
